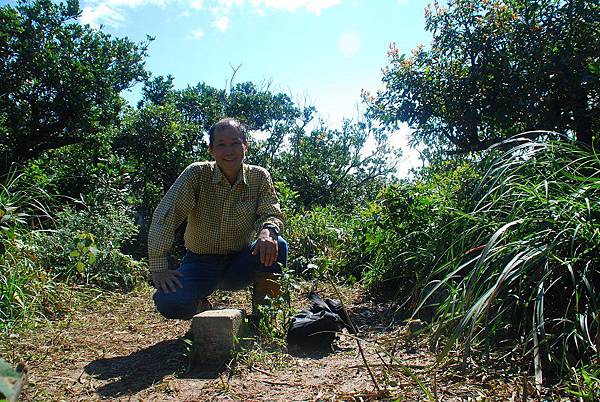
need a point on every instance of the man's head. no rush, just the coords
(225, 124)
(227, 143)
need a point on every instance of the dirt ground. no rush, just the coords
(117, 347)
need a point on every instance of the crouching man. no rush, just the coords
(232, 235)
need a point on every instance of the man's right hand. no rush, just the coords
(167, 281)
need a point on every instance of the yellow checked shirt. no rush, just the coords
(221, 218)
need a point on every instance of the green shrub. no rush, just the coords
(41, 253)
(403, 231)
(319, 239)
(523, 268)
(85, 246)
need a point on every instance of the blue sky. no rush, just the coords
(323, 52)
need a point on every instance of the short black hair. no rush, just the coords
(227, 122)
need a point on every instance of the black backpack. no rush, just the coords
(318, 325)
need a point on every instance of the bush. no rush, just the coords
(523, 269)
(25, 288)
(41, 253)
(320, 239)
(86, 246)
(403, 231)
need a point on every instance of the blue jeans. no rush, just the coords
(205, 273)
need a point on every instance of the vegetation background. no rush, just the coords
(495, 242)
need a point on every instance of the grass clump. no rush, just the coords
(523, 267)
(46, 249)
(25, 287)
(585, 383)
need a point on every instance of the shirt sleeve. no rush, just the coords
(268, 209)
(172, 210)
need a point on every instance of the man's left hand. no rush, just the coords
(266, 247)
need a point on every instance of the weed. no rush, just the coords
(586, 383)
(275, 314)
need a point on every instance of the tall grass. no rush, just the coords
(23, 284)
(43, 256)
(522, 270)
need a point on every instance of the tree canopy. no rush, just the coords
(59, 81)
(167, 131)
(496, 68)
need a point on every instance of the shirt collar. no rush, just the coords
(218, 176)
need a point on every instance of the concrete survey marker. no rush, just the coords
(214, 333)
(11, 381)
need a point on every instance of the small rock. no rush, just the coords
(214, 334)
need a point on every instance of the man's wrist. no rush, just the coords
(266, 232)
(158, 263)
(273, 229)
(273, 233)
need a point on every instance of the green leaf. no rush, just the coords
(80, 266)
(74, 253)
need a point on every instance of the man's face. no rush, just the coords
(228, 149)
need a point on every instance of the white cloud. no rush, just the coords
(198, 34)
(221, 23)
(101, 14)
(138, 3)
(223, 7)
(227, 3)
(196, 4)
(349, 43)
(111, 12)
(313, 6)
(316, 6)
(131, 3)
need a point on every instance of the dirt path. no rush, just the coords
(120, 348)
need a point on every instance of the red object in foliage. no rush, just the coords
(475, 249)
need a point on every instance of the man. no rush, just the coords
(226, 203)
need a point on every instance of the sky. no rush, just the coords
(320, 52)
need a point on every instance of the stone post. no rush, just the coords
(214, 334)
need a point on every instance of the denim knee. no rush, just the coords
(171, 308)
(282, 254)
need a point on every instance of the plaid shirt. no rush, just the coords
(221, 218)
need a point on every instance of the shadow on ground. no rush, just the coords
(142, 369)
(311, 351)
(373, 317)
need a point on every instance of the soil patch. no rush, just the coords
(119, 348)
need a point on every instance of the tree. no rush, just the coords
(323, 166)
(497, 68)
(59, 81)
(327, 166)
(153, 143)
